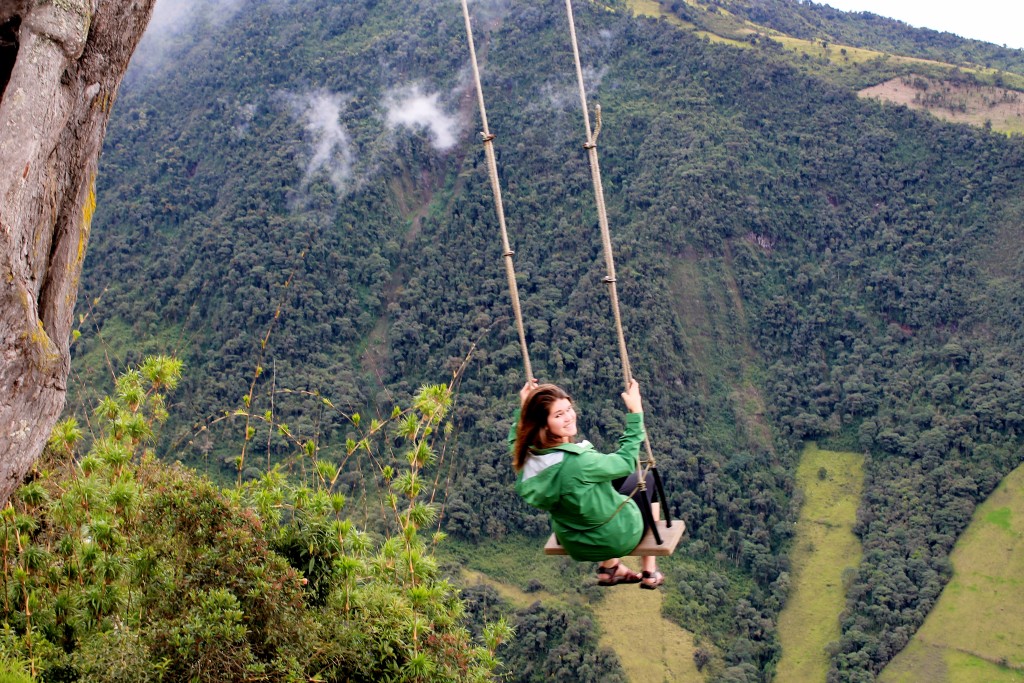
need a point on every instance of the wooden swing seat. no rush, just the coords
(670, 536)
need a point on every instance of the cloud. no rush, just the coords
(488, 13)
(332, 148)
(174, 16)
(172, 30)
(592, 77)
(243, 116)
(566, 93)
(410, 107)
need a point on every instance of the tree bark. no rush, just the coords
(68, 61)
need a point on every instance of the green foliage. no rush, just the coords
(557, 642)
(118, 568)
(793, 263)
(14, 671)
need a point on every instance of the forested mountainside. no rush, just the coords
(293, 198)
(819, 21)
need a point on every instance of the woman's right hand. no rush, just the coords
(631, 396)
(525, 391)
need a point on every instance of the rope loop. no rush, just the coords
(592, 142)
(608, 280)
(487, 137)
(509, 253)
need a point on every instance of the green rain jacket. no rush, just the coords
(572, 482)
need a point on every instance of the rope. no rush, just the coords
(492, 172)
(602, 217)
(591, 146)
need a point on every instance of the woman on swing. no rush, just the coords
(585, 492)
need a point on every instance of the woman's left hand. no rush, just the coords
(525, 391)
(631, 397)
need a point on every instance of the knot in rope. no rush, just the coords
(592, 142)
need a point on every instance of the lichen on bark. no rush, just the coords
(68, 54)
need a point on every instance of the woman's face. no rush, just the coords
(562, 420)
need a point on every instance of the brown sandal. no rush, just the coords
(652, 580)
(612, 576)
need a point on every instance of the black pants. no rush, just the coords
(627, 484)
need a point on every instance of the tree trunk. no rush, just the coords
(61, 62)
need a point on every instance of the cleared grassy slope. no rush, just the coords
(825, 547)
(975, 633)
(651, 649)
(969, 103)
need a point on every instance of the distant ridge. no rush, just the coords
(819, 21)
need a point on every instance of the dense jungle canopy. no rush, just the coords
(293, 198)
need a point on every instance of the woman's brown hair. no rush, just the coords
(533, 421)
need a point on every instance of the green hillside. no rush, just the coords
(794, 263)
(988, 564)
(819, 22)
(955, 79)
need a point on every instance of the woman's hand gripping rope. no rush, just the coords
(631, 397)
(530, 385)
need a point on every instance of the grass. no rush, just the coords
(984, 594)
(652, 8)
(519, 562)
(1000, 518)
(920, 663)
(514, 594)
(651, 648)
(969, 103)
(824, 547)
(838, 54)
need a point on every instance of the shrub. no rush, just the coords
(118, 568)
